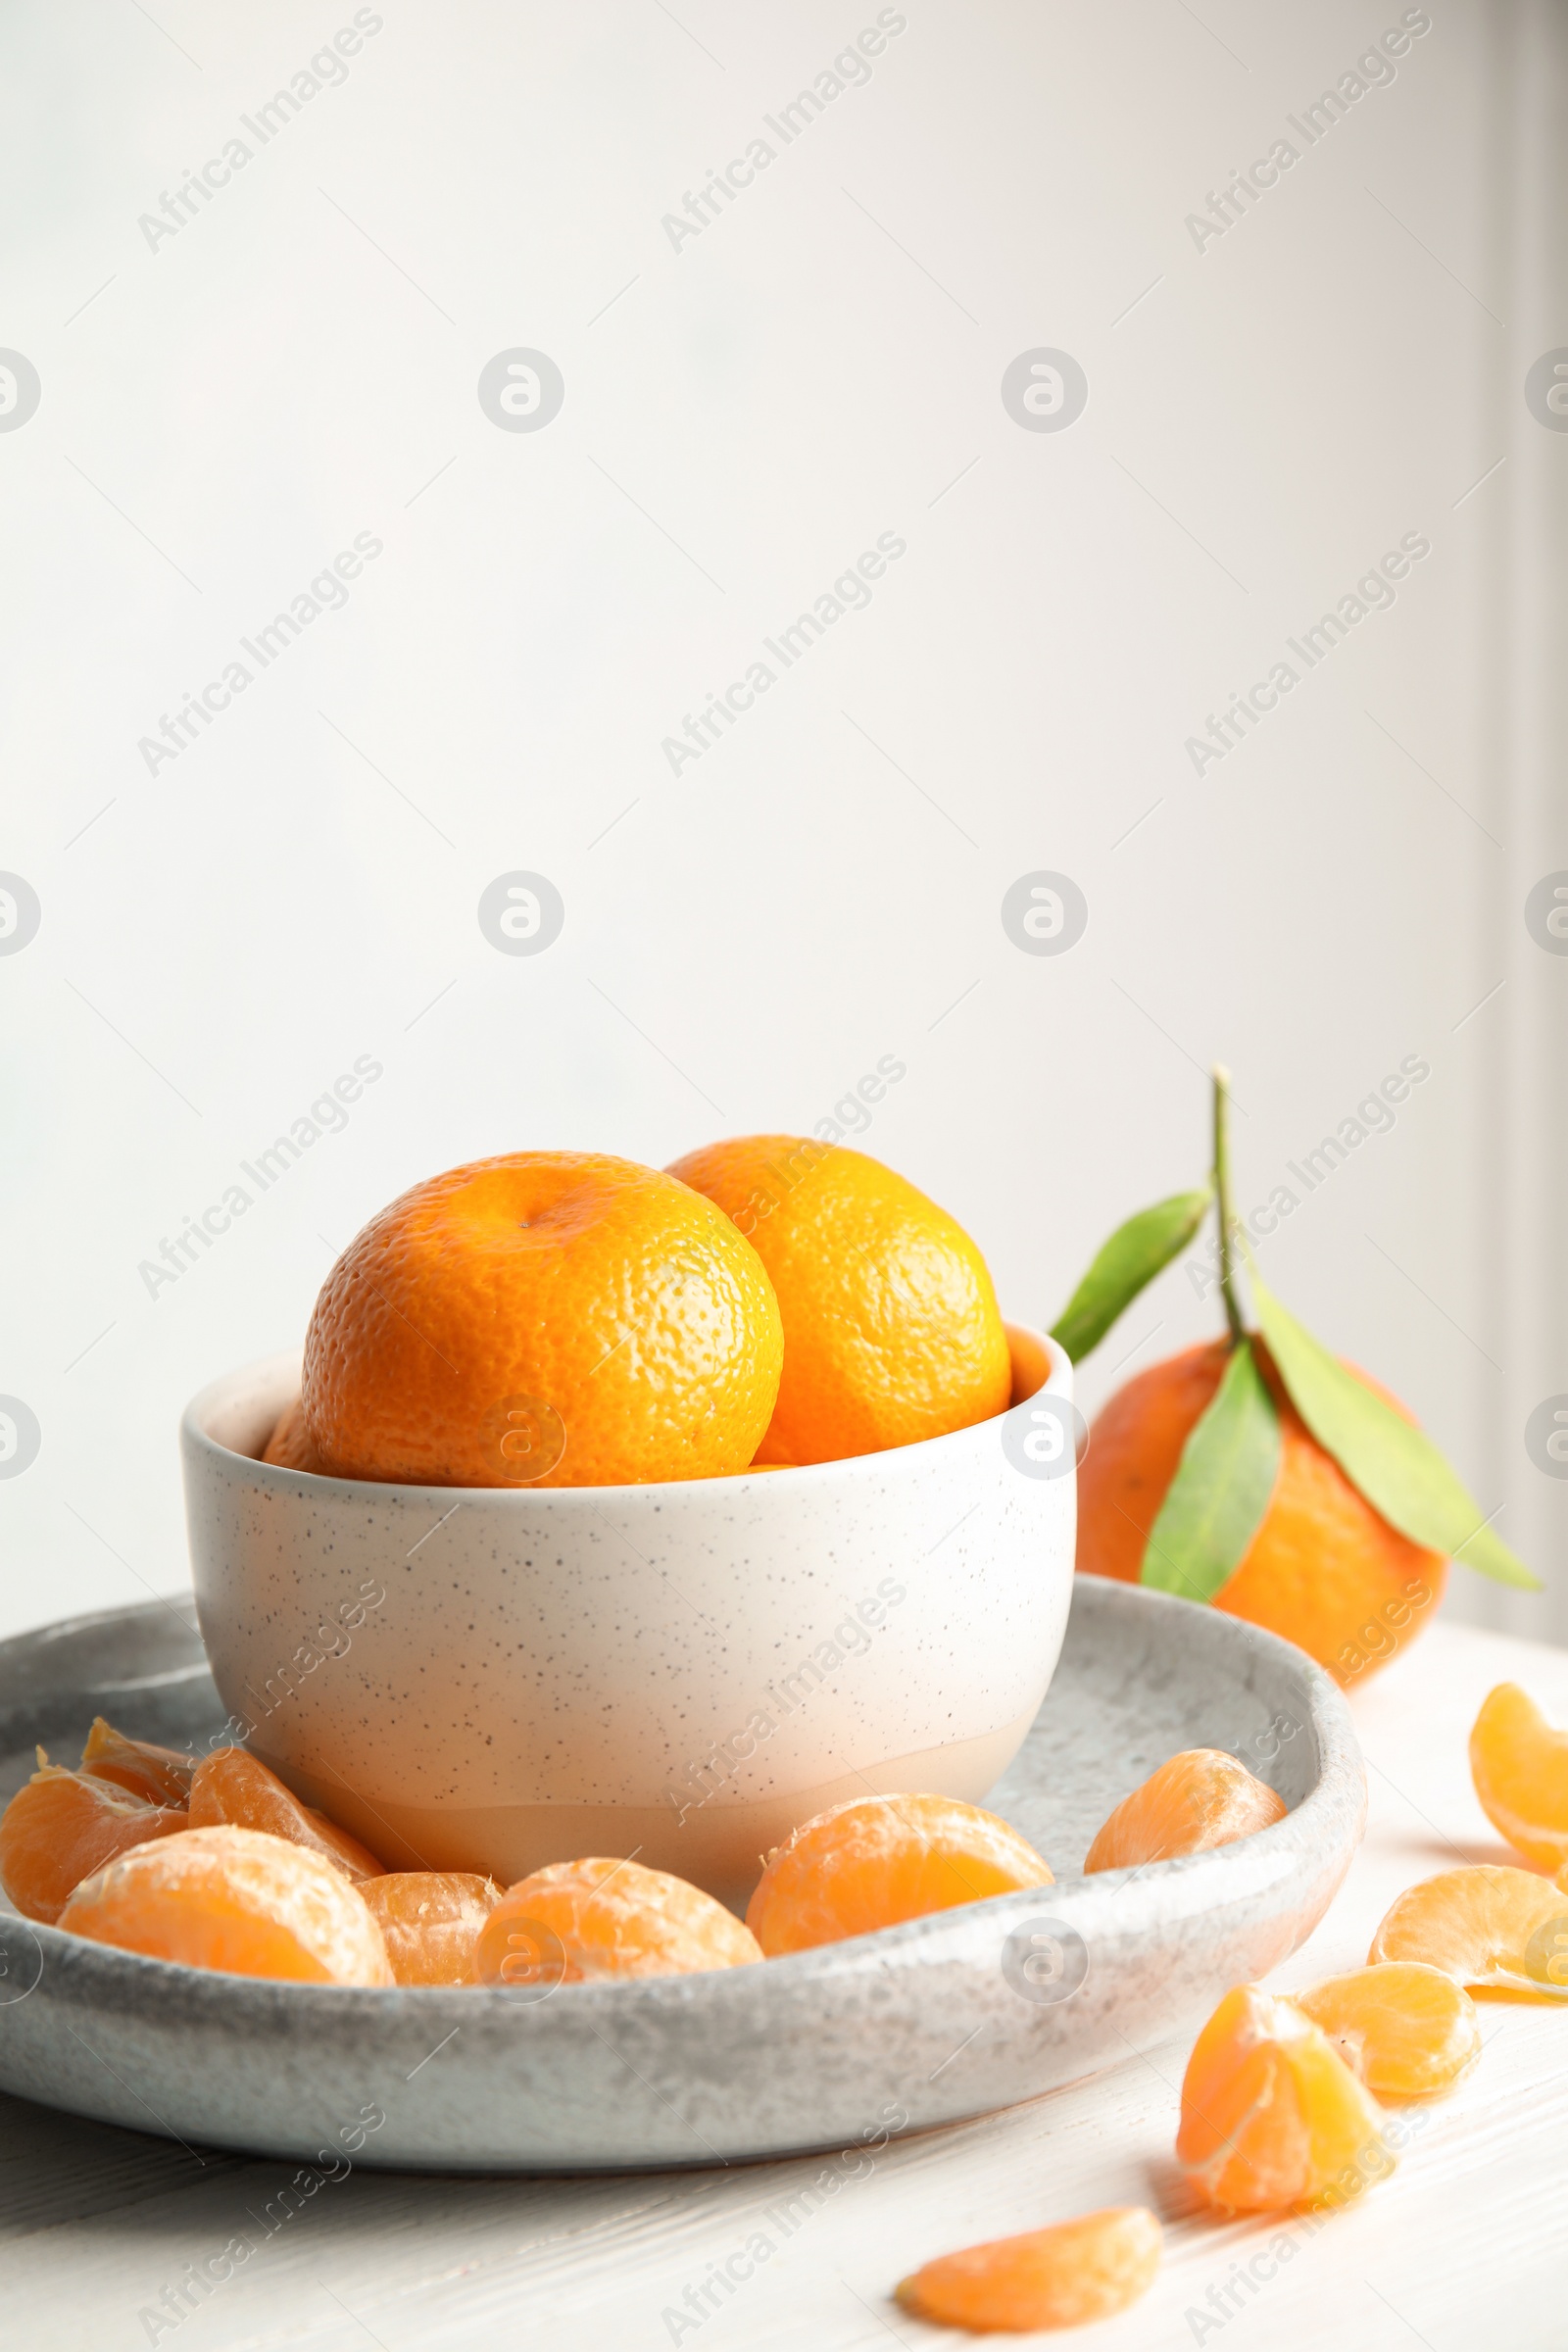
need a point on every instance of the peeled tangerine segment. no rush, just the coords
(1200, 1798)
(161, 1775)
(1407, 2030)
(63, 1826)
(235, 1788)
(1519, 1763)
(430, 1920)
(1063, 2277)
(236, 1901)
(577, 1923)
(1271, 2117)
(1493, 1929)
(878, 1860)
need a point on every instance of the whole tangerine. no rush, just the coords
(891, 1332)
(544, 1318)
(1324, 1568)
(289, 1447)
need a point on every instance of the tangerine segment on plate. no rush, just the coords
(1493, 1929)
(61, 1827)
(874, 1861)
(1519, 1763)
(161, 1775)
(1077, 2271)
(236, 1901)
(233, 1787)
(891, 1332)
(430, 1920)
(587, 1922)
(1196, 1799)
(545, 1318)
(1271, 2116)
(1324, 1568)
(1407, 2030)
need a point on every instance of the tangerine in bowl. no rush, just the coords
(614, 1511)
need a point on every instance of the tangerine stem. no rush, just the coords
(1222, 1196)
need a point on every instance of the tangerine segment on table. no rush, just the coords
(161, 1775)
(891, 1332)
(545, 1318)
(236, 1900)
(61, 1826)
(1077, 2271)
(1324, 1568)
(874, 1861)
(1519, 1763)
(1196, 1799)
(589, 1921)
(1407, 2030)
(233, 1787)
(1493, 1929)
(1271, 2116)
(430, 1922)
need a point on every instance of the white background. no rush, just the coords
(1266, 418)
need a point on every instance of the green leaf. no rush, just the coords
(1399, 1471)
(1222, 1488)
(1134, 1254)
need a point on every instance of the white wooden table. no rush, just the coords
(1464, 2250)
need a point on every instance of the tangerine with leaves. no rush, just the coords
(1258, 1473)
(544, 1318)
(891, 1332)
(1323, 1567)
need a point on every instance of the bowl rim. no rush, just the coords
(197, 1442)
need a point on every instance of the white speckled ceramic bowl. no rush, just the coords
(489, 1678)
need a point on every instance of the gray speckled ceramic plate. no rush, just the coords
(943, 2018)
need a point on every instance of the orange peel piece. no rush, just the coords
(1493, 1928)
(1519, 1763)
(236, 1900)
(1063, 2277)
(1406, 2028)
(876, 1861)
(1201, 1798)
(1271, 2115)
